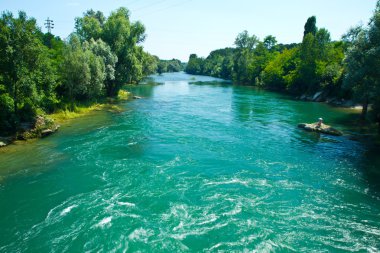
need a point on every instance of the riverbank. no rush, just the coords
(322, 97)
(355, 124)
(47, 124)
(204, 155)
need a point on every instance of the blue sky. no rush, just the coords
(177, 28)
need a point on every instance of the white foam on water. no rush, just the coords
(140, 234)
(55, 193)
(171, 163)
(232, 181)
(215, 246)
(237, 209)
(266, 246)
(104, 222)
(67, 210)
(209, 219)
(134, 216)
(126, 204)
(180, 225)
(181, 235)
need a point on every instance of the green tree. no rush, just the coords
(245, 44)
(149, 63)
(280, 73)
(83, 72)
(314, 58)
(219, 63)
(307, 67)
(75, 70)
(195, 65)
(357, 75)
(162, 67)
(90, 26)
(174, 65)
(270, 42)
(329, 69)
(7, 113)
(363, 63)
(123, 38)
(103, 50)
(26, 70)
(310, 26)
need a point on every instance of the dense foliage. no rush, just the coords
(312, 65)
(40, 73)
(173, 65)
(332, 69)
(362, 64)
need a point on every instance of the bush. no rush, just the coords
(49, 103)
(7, 116)
(27, 112)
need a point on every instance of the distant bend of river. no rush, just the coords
(196, 165)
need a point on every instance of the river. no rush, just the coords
(196, 165)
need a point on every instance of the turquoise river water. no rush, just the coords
(196, 165)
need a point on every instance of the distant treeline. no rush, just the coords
(348, 69)
(41, 73)
(173, 65)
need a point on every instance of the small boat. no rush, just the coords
(320, 128)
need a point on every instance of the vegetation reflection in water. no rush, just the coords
(193, 167)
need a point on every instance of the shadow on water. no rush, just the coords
(191, 163)
(351, 120)
(248, 104)
(151, 81)
(213, 83)
(271, 110)
(370, 163)
(142, 90)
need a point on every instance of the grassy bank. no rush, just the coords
(49, 123)
(83, 109)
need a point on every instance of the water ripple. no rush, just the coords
(199, 168)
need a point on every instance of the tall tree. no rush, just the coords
(270, 42)
(313, 55)
(123, 38)
(90, 26)
(279, 74)
(24, 63)
(363, 64)
(310, 26)
(83, 72)
(243, 57)
(103, 50)
(194, 66)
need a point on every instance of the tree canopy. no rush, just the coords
(346, 69)
(40, 73)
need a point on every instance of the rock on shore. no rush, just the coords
(326, 129)
(41, 127)
(322, 97)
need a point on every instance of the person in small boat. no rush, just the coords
(320, 122)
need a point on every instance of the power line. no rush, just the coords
(49, 24)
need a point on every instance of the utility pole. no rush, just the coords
(49, 24)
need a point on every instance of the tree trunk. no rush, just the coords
(363, 115)
(111, 87)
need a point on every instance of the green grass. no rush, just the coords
(83, 109)
(124, 95)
